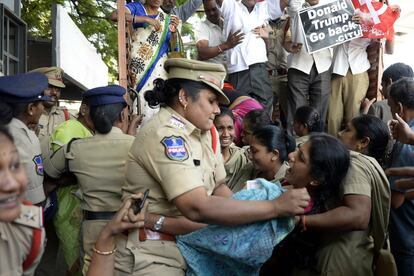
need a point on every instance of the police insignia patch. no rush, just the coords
(175, 148)
(38, 164)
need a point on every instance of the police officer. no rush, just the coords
(176, 155)
(53, 115)
(21, 231)
(21, 105)
(98, 163)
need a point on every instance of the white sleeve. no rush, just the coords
(201, 32)
(273, 8)
(227, 9)
(295, 23)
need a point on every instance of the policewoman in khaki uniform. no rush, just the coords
(21, 105)
(98, 163)
(21, 231)
(177, 156)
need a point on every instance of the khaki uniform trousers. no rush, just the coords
(346, 97)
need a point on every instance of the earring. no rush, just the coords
(313, 183)
(31, 113)
(359, 148)
(185, 106)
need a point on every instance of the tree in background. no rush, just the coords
(91, 18)
(88, 15)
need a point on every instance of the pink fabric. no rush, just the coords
(239, 111)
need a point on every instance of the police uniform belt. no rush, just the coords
(147, 234)
(90, 215)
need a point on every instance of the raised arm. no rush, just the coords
(196, 205)
(206, 52)
(130, 18)
(187, 9)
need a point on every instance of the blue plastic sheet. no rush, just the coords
(238, 250)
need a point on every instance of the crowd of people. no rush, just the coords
(243, 162)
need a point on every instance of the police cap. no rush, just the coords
(105, 95)
(53, 74)
(212, 74)
(23, 88)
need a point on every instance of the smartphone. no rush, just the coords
(139, 203)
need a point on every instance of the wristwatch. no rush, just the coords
(159, 223)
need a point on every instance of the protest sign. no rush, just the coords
(328, 25)
(377, 19)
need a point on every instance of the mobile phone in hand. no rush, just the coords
(139, 203)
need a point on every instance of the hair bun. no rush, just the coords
(155, 96)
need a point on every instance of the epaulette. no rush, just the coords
(31, 216)
(176, 122)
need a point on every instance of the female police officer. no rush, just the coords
(175, 156)
(98, 163)
(21, 106)
(21, 225)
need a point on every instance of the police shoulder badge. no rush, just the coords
(175, 148)
(38, 161)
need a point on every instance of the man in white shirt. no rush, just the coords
(246, 62)
(349, 83)
(309, 79)
(210, 40)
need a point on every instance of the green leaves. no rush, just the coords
(91, 18)
(89, 15)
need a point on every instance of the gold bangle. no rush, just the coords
(219, 48)
(104, 253)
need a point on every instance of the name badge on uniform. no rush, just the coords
(175, 148)
(176, 122)
(38, 164)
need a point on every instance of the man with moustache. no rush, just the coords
(210, 40)
(53, 114)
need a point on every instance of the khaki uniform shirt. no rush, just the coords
(248, 172)
(99, 165)
(170, 156)
(49, 121)
(276, 54)
(16, 242)
(235, 163)
(28, 146)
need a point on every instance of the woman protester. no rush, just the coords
(153, 33)
(21, 226)
(355, 223)
(320, 169)
(176, 157)
(252, 121)
(306, 121)
(21, 106)
(234, 157)
(98, 162)
(268, 151)
(240, 104)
